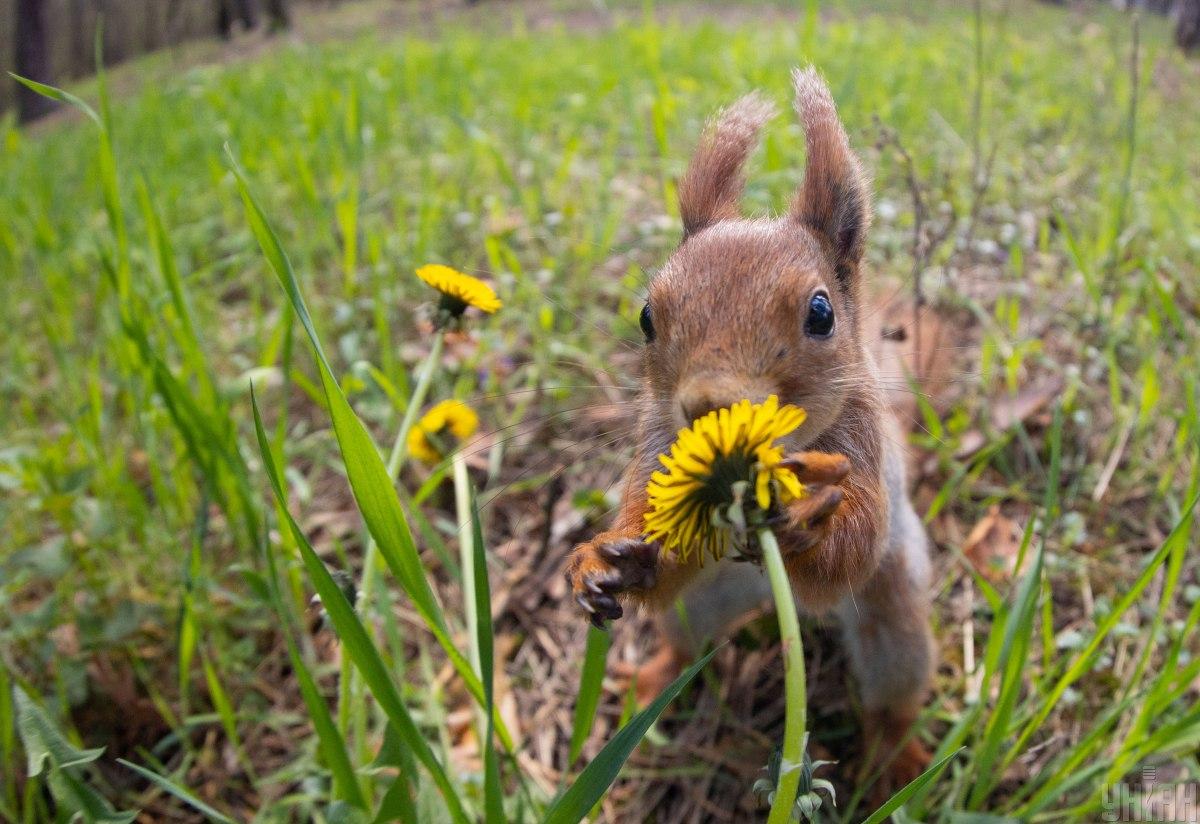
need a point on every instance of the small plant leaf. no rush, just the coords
(42, 740)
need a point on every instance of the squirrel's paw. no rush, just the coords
(600, 571)
(806, 521)
(817, 467)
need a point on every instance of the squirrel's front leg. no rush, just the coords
(830, 537)
(618, 566)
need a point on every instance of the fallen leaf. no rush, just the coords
(993, 545)
(1012, 409)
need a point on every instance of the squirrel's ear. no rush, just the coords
(712, 186)
(834, 200)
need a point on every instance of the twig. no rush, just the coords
(926, 239)
(1110, 466)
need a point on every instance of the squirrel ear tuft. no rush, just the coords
(711, 188)
(834, 200)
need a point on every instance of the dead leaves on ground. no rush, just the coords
(994, 545)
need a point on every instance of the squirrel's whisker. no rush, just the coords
(487, 440)
(495, 493)
(548, 388)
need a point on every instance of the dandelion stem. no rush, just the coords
(795, 719)
(424, 378)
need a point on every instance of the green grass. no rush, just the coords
(138, 308)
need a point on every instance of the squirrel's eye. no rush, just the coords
(647, 323)
(819, 322)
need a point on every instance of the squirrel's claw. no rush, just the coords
(599, 573)
(600, 608)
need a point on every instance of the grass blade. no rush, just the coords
(896, 801)
(1084, 659)
(225, 710)
(484, 640)
(332, 745)
(369, 480)
(591, 680)
(59, 95)
(602, 770)
(355, 639)
(166, 784)
(1013, 660)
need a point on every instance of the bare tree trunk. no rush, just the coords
(279, 15)
(248, 11)
(33, 58)
(1187, 25)
(81, 46)
(229, 11)
(174, 34)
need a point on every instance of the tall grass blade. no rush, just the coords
(1017, 635)
(369, 480)
(225, 710)
(188, 633)
(896, 801)
(355, 639)
(333, 746)
(485, 643)
(591, 681)
(329, 738)
(601, 771)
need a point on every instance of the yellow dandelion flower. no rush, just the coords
(429, 438)
(458, 291)
(687, 501)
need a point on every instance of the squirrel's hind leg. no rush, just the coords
(888, 639)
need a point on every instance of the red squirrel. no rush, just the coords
(744, 309)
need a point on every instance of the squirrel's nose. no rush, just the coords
(695, 406)
(699, 395)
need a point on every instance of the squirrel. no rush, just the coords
(743, 309)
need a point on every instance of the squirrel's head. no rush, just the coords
(749, 308)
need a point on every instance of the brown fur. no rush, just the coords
(728, 312)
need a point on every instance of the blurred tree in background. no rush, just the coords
(54, 40)
(1187, 26)
(32, 57)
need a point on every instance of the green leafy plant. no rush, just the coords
(60, 766)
